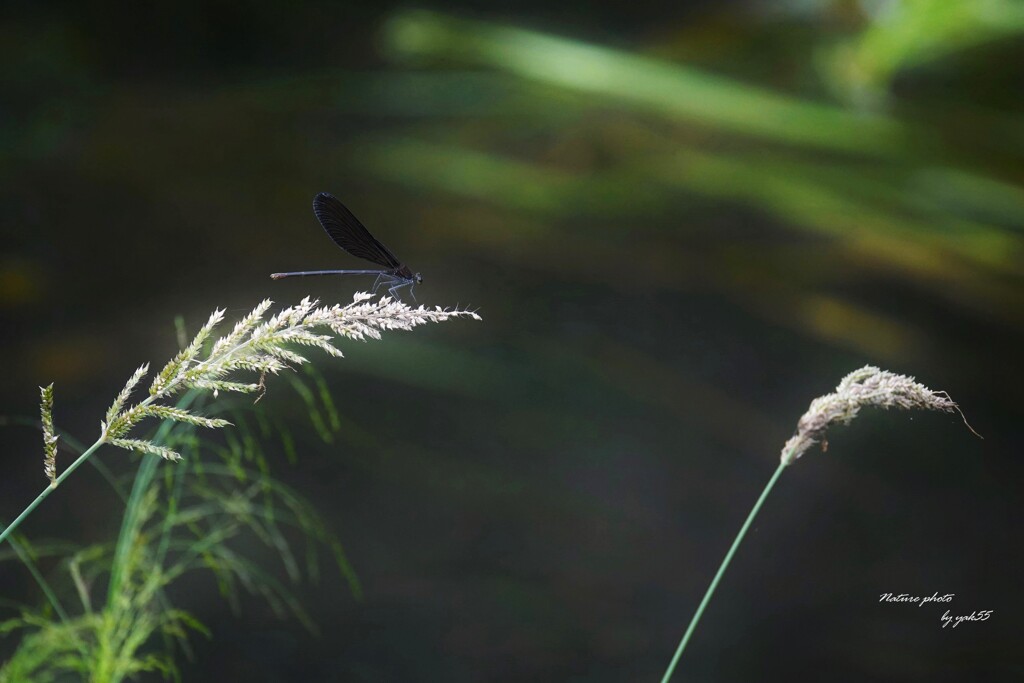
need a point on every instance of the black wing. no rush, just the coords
(348, 233)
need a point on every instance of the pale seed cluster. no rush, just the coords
(254, 345)
(867, 386)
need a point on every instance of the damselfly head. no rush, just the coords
(419, 278)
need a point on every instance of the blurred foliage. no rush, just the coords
(887, 189)
(898, 36)
(920, 183)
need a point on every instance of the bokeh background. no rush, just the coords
(680, 221)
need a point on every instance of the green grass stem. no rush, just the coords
(49, 489)
(721, 571)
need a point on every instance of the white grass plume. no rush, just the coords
(255, 346)
(868, 386)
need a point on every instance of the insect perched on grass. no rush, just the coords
(347, 232)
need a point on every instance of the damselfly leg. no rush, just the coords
(401, 282)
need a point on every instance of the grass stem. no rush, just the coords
(49, 489)
(721, 571)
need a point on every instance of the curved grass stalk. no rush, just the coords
(867, 386)
(254, 345)
(172, 526)
(160, 540)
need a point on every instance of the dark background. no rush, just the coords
(675, 242)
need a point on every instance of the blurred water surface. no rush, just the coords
(680, 225)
